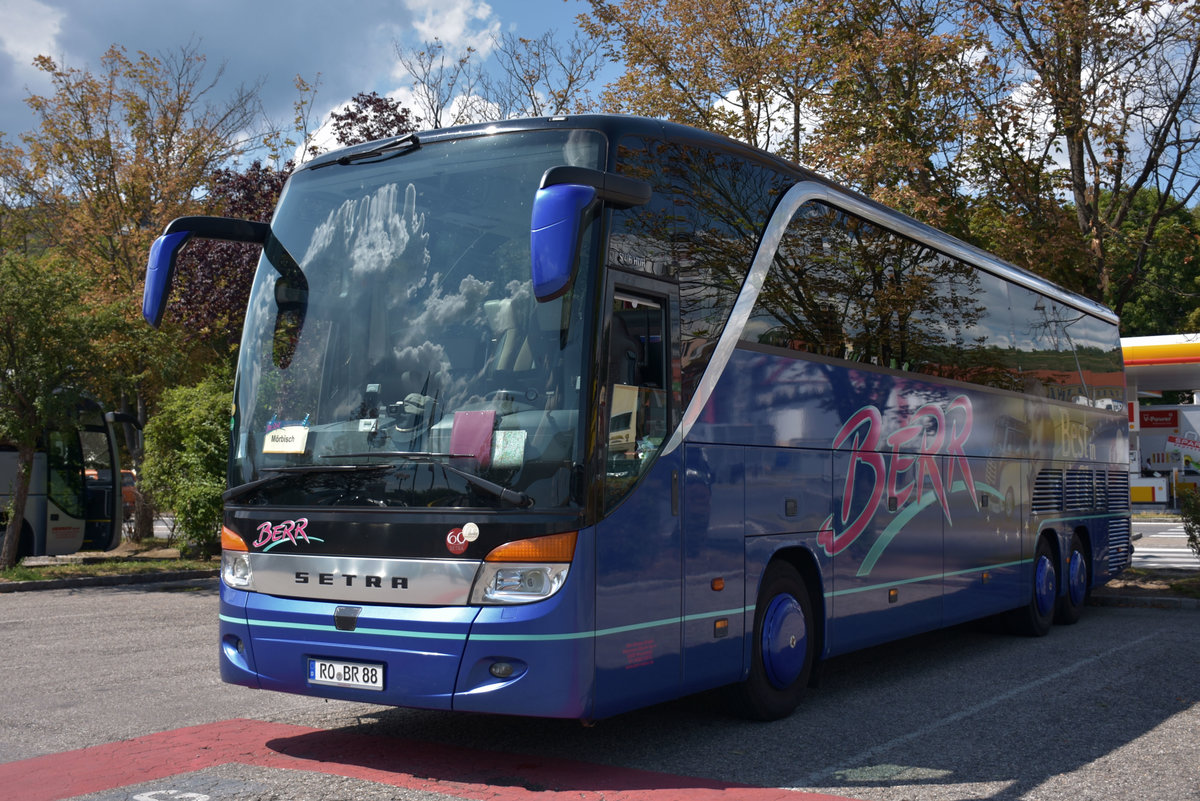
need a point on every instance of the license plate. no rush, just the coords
(345, 674)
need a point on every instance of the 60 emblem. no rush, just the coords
(457, 539)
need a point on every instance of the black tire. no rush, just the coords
(783, 623)
(1037, 615)
(1078, 584)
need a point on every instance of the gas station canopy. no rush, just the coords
(1155, 364)
(1162, 438)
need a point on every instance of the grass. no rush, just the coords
(1188, 587)
(1167, 583)
(107, 567)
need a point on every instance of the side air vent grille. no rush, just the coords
(1078, 489)
(1120, 554)
(1100, 484)
(1048, 492)
(1118, 491)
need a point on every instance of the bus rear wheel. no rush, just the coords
(1070, 603)
(782, 652)
(1035, 617)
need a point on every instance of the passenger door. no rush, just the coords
(638, 570)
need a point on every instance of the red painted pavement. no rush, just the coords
(409, 764)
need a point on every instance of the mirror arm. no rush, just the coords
(227, 229)
(619, 191)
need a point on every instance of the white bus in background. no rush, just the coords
(74, 500)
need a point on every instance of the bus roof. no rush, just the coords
(615, 126)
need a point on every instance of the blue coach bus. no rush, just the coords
(565, 417)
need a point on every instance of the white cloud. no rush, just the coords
(459, 24)
(30, 29)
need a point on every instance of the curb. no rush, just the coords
(1144, 602)
(106, 581)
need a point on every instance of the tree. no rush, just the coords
(542, 77)
(1189, 512)
(116, 155)
(1166, 299)
(893, 107)
(212, 278)
(729, 66)
(47, 354)
(368, 117)
(186, 453)
(533, 77)
(1113, 86)
(875, 93)
(445, 87)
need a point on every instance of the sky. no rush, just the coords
(350, 44)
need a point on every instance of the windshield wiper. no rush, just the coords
(236, 493)
(515, 497)
(383, 151)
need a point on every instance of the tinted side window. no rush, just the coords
(702, 228)
(843, 287)
(1098, 345)
(985, 353)
(1045, 353)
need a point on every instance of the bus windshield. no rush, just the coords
(392, 326)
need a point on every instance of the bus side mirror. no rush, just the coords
(561, 207)
(556, 229)
(160, 269)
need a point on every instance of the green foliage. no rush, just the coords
(47, 355)
(186, 450)
(46, 345)
(1157, 287)
(1189, 510)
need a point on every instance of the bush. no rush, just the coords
(187, 446)
(1189, 510)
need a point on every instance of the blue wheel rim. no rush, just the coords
(1044, 588)
(1077, 578)
(784, 641)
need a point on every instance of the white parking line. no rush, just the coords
(816, 779)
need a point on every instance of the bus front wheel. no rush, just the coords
(782, 650)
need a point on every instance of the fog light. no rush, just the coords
(501, 670)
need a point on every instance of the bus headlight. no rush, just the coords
(235, 569)
(524, 571)
(499, 583)
(235, 561)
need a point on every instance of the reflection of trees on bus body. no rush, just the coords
(843, 288)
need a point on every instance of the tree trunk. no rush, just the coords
(12, 534)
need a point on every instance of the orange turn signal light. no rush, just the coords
(231, 541)
(555, 548)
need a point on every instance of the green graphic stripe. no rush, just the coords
(434, 635)
(905, 517)
(1043, 525)
(932, 577)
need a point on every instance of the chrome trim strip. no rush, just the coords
(757, 275)
(411, 582)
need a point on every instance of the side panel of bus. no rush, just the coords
(906, 530)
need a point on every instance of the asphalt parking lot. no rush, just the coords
(111, 684)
